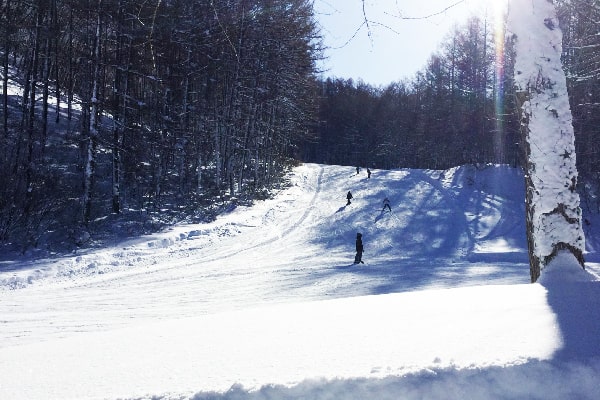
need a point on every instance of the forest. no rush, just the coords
(136, 114)
(461, 107)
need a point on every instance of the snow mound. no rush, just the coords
(564, 268)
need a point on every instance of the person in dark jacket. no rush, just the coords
(348, 197)
(359, 249)
(386, 204)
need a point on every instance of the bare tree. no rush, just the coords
(90, 156)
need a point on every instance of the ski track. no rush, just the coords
(267, 254)
(193, 283)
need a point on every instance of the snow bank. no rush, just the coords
(564, 268)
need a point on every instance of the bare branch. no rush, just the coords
(367, 22)
(430, 15)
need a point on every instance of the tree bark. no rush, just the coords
(553, 215)
(7, 43)
(90, 161)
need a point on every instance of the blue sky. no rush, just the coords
(400, 38)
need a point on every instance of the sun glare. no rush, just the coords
(499, 7)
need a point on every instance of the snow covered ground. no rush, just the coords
(265, 302)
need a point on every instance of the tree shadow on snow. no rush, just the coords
(576, 306)
(377, 277)
(438, 235)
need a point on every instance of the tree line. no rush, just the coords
(147, 105)
(461, 107)
(458, 109)
(581, 61)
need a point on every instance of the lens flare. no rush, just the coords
(499, 10)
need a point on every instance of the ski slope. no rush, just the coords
(265, 302)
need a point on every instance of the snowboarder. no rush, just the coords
(359, 249)
(386, 204)
(368, 173)
(348, 197)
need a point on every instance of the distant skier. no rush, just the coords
(357, 170)
(359, 249)
(386, 204)
(368, 173)
(348, 197)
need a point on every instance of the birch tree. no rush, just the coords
(553, 214)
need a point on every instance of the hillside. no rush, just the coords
(265, 302)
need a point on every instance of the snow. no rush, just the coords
(265, 302)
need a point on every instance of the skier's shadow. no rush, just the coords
(381, 213)
(342, 208)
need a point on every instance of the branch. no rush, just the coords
(366, 21)
(430, 15)
(225, 31)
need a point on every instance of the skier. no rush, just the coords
(357, 170)
(348, 197)
(359, 249)
(386, 204)
(368, 173)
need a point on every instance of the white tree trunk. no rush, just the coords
(90, 162)
(552, 202)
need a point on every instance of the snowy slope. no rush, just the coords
(266, 303)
